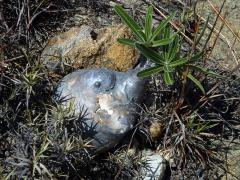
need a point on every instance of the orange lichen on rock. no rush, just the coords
(84, 48)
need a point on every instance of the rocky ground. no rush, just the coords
(37, 51)
(229, 34)
(226, 58)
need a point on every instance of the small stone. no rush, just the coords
(154, 165)
(156, 129)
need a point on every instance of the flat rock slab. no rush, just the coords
(83, 47)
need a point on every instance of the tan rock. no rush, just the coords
(84, 48)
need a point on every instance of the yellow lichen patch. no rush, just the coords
(122, 56)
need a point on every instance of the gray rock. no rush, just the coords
(110, 98)
(154, 165)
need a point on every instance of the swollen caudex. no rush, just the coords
(110, 98)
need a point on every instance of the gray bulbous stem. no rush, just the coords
(143, 64)
(111, 99)
(136, 85)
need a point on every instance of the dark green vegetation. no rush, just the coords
(39, 139)
(167, 58)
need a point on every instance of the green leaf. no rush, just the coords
(178, 62)
(168, 68)
(196, 82)
(162, 42)
(161, 26)
(148, 23)
(150, 71)
(196, 57)
(151, 54)
(174, 49)
(168, 78)
(126, 41)
(132, 24)
(206, 127)
(143, 35)
(205, 70)
(167, 32)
